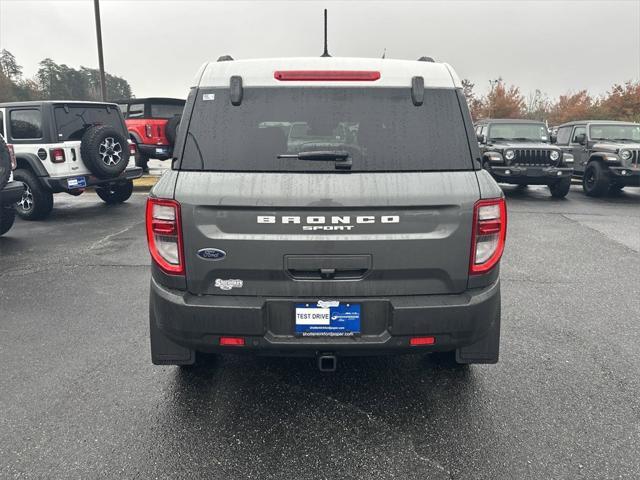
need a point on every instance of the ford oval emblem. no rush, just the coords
(212, 253)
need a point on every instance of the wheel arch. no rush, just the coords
(31, 162)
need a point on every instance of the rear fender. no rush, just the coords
(29, 161)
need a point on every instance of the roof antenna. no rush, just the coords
(326, 50)
(384, 54)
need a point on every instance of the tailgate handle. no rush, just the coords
(327, 267)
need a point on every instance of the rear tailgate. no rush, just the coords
(334, 235)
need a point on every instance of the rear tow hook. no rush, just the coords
(327, 363)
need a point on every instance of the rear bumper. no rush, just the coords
(161, 152)
(266, 324)
(74, 182)
(531, 175)
(11, 193)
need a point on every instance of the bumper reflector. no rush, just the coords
(232, 341)
(418, 341)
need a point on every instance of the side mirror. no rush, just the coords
(480, 138)
(580, 138)
(553, 138)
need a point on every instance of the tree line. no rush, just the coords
(621, 102)
(55, 81)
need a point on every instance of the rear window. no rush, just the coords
(164, 110)
(379, 127)
(73, 120)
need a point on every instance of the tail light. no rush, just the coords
(164, 235)
(489, 234)
(12, 155)
(57, 155)
(132, 148)
(148, 130)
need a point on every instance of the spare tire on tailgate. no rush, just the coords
(105, 151)
(171, 129)
(5, 163)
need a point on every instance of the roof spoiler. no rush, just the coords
(426, 59)
(225, 58)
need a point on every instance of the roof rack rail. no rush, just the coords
(225, 58)
(426, 59)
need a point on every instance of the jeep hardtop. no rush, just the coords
(607, 154)
(67, 146)
(520, 152)
(371, 230)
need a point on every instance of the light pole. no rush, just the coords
(103, 81)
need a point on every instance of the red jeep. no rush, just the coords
(152, 125)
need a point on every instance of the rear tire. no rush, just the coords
(560, 188)
(171, 129)
(7, 217)
(114, 194)
(595, 181)
(5, 163)
(37, 201)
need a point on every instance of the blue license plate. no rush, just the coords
(77, 182)
(327, 319)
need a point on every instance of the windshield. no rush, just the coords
(526, 132)
(624, 133)
(379, 127)
(73, 120)
(165, 110)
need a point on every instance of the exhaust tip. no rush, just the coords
(327, 363)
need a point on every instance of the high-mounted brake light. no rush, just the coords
(12, 155)
(488, 235)
(148, 130)
(57, 155)
(326, 75)
(164, 235)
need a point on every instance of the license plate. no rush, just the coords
(534, 172)
(161, 151)
(327, 319)
(77, 182)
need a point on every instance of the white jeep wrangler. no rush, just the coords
(66, 146)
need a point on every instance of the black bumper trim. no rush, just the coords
(60, 184)
(150, 151)
(197, 322)
(11, 193)
(530, 174)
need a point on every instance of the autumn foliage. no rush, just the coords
(621, 102)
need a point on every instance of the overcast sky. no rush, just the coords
(556, 46)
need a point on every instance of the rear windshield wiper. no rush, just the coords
(342, 159)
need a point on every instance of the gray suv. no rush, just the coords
(383, 240)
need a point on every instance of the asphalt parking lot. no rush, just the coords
(79, 397)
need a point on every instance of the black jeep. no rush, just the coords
(520, 152)
(607, 154)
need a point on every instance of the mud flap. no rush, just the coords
(487, 350)
(166, 352)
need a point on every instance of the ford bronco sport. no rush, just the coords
(152, 125)
(66, 146)
(383, 240)
(520, 152)
(607, 154)
(10, 190)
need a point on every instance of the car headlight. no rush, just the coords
(555, 155)
(509, 154)
(625, 154)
